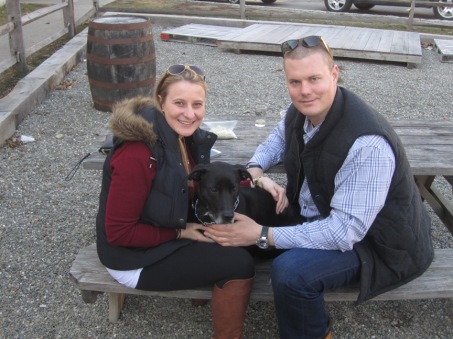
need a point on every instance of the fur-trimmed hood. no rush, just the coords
(127, 125)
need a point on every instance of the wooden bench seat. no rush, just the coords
(91, 277)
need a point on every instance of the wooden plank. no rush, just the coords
(263, 34)
(280, 33)
(347, 40)
(299, 32)
(445, 49)
(6, 28)
(360, 42)
(422, 140)
(87, 273)
(42, 12)
(375, 40)
(247, 33)
(414, 45)
(196, 33)
(399, 42)
(385, 42)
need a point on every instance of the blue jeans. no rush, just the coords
(299, 278)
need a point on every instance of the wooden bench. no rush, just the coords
(90, 276)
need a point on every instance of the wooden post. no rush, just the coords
(16, 41)
(411, 16)
(69, 18)
(96, 7)
(242, 9)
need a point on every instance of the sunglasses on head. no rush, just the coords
(179, 69)
(307, 42)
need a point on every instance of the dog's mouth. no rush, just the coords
(222, 220)
(208, 217)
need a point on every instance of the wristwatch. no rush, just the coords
(263, 241)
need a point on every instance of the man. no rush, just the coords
(362, 217)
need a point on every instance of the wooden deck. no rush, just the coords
(445, 49)
(345, 42)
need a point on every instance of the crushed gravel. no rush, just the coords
(44, 220)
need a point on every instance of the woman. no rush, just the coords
(143, 237)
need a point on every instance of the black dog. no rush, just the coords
(220, 195)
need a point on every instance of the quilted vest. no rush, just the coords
(398, 247)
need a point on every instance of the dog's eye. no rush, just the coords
(214, 189)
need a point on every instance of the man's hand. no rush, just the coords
(277, 192)
(243, 232)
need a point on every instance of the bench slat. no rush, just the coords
(87, 273)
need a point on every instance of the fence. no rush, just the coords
(14, 28)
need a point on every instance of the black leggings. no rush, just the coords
(198, 264)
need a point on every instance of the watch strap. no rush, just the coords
(264, 232)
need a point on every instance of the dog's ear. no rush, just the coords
(243, 173)
(197, 172)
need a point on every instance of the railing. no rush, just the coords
(14, 26)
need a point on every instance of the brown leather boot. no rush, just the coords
(229, 305)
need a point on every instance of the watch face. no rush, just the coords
(262, 243)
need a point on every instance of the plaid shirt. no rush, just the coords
(361, 187)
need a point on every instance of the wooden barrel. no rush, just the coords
(121, 59)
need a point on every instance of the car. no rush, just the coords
(445, 13)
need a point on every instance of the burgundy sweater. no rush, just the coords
(132, 180)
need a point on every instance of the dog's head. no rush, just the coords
(218, 190)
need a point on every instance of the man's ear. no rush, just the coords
(197, 172)
(336, 73)
(243, 173)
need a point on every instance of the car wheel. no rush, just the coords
(338, 5)
(364, 7)
(445, 13)
(268, 1)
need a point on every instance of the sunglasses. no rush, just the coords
(179, 69)
(307, 42)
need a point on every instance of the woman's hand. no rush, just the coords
(277, 192)
(243, 232)
(194, 232)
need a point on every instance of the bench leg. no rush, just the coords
(116, 302)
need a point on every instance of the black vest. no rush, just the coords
(168, 202)
(398, 247)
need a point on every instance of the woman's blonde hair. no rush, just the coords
(167, 79)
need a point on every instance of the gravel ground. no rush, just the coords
(44, 219)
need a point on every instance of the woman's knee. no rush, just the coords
(239, 263)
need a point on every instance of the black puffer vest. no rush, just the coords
(398, 247)
(168, 202)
